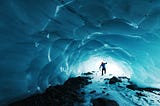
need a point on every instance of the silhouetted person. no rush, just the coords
(103, 67)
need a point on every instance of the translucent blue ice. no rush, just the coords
(43, 43)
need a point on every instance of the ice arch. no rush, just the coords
(114, 67)
(44, 42)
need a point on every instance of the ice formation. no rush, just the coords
(45, 42)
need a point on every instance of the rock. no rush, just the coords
(106, 82)
(103, 92)
(110, 74)
(113, 80)
(83, 93)
(59, 95)
(135, 87)
(124, 78)
(150, 89)
(76, 83)
(88, 73)
(92, 92)
(139, 94)
(107, 94)
(132, 87)
(104, 102)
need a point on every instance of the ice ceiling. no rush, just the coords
(44, 42)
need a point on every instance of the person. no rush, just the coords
(103, 67)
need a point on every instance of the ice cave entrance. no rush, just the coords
(114, 67)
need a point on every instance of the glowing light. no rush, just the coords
(114, 67)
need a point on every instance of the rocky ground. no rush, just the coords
(121, 90)
(90, 90)
(60, 95)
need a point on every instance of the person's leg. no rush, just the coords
(105, 71)
(102, 72)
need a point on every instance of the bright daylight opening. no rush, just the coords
(114, 67)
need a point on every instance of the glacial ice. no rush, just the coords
(45, 42)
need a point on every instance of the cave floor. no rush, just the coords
(92, 89)
(100, 88)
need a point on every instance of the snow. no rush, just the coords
(118, 92)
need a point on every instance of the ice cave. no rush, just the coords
(44, 43)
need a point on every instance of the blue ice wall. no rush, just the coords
(42, 42)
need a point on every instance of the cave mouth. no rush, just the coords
(114, 67)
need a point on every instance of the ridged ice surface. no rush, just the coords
(44, 42)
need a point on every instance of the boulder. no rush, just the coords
(113, 80)
(104, 102)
